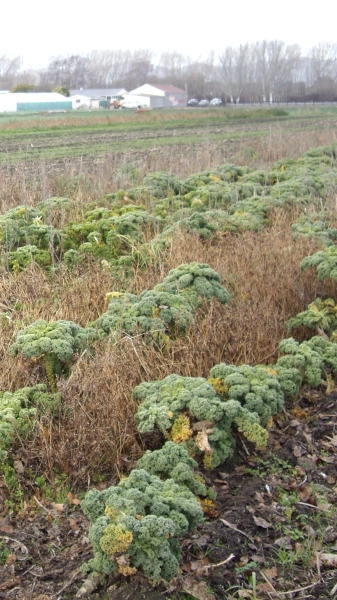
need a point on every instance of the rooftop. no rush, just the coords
(168, 88)
(98, 92)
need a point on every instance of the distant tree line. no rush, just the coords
(259, 71)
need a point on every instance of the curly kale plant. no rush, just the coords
(57, 211)
(25, 256)
(163, 184)
(241, 221)
(15, 223)
(198, 223)
(195, 281)
(195, 412)
(325, 261)
(327, 350)
(214, 195)
(134, 525)
(152, 312)
(169, 307)
(321, 315)
(309, 362)
(53, 342)
(206, 223)
(255, 388)
(254, 206)
(18, 409)
(289, 379)
(315, 225)
(172, 461)
(24, 227)
(109, 233)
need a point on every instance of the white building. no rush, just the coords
(92, 98)
(79, 101)
(35, 101)
(160, 96)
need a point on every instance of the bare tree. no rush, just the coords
(274, 63)
(323, 59)
(201, 76)
(172, 68)
(234, 70)
(65, 71)
(141, 69)
(262, 70)
(9, 69)
(108, 68)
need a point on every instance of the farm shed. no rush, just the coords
(92, 98)
(161, 96)
(79, 101)
(13, 102)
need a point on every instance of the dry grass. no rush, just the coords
(87, 178)
(95, 430)
(112, 117)
(102, 118)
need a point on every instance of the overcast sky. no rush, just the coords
(37, 29)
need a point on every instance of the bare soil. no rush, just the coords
(273, 511)
(33, 145)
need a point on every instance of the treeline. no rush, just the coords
(259, 71)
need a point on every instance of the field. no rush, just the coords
(97, 208)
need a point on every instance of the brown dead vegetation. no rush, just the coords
(87, 178)
(95, 431)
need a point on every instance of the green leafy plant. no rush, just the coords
(62, 90)
(167, 309)
(315, 225)
(256, 388)
(18, 409)
(4, 552)
(53, 343)
(25, 256)
(309, 359)
(26, 226)
(320, 315)
(134, 525)
(172, 461)
(189, 410)
(195, 281)
(325, 261)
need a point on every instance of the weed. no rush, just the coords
(293, 533)
(4, 552)
(250, 566)
(15, 500)
(57, 491)
(272, 465)
(287, 559)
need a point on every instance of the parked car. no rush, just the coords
(216, 102)
(130, 104)
(192, 102)
(203, 103)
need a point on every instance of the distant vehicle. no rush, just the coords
(203, 103)
(193, 102)
(116, 103)
(215, 102)
(130, 104)
(104, 103)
